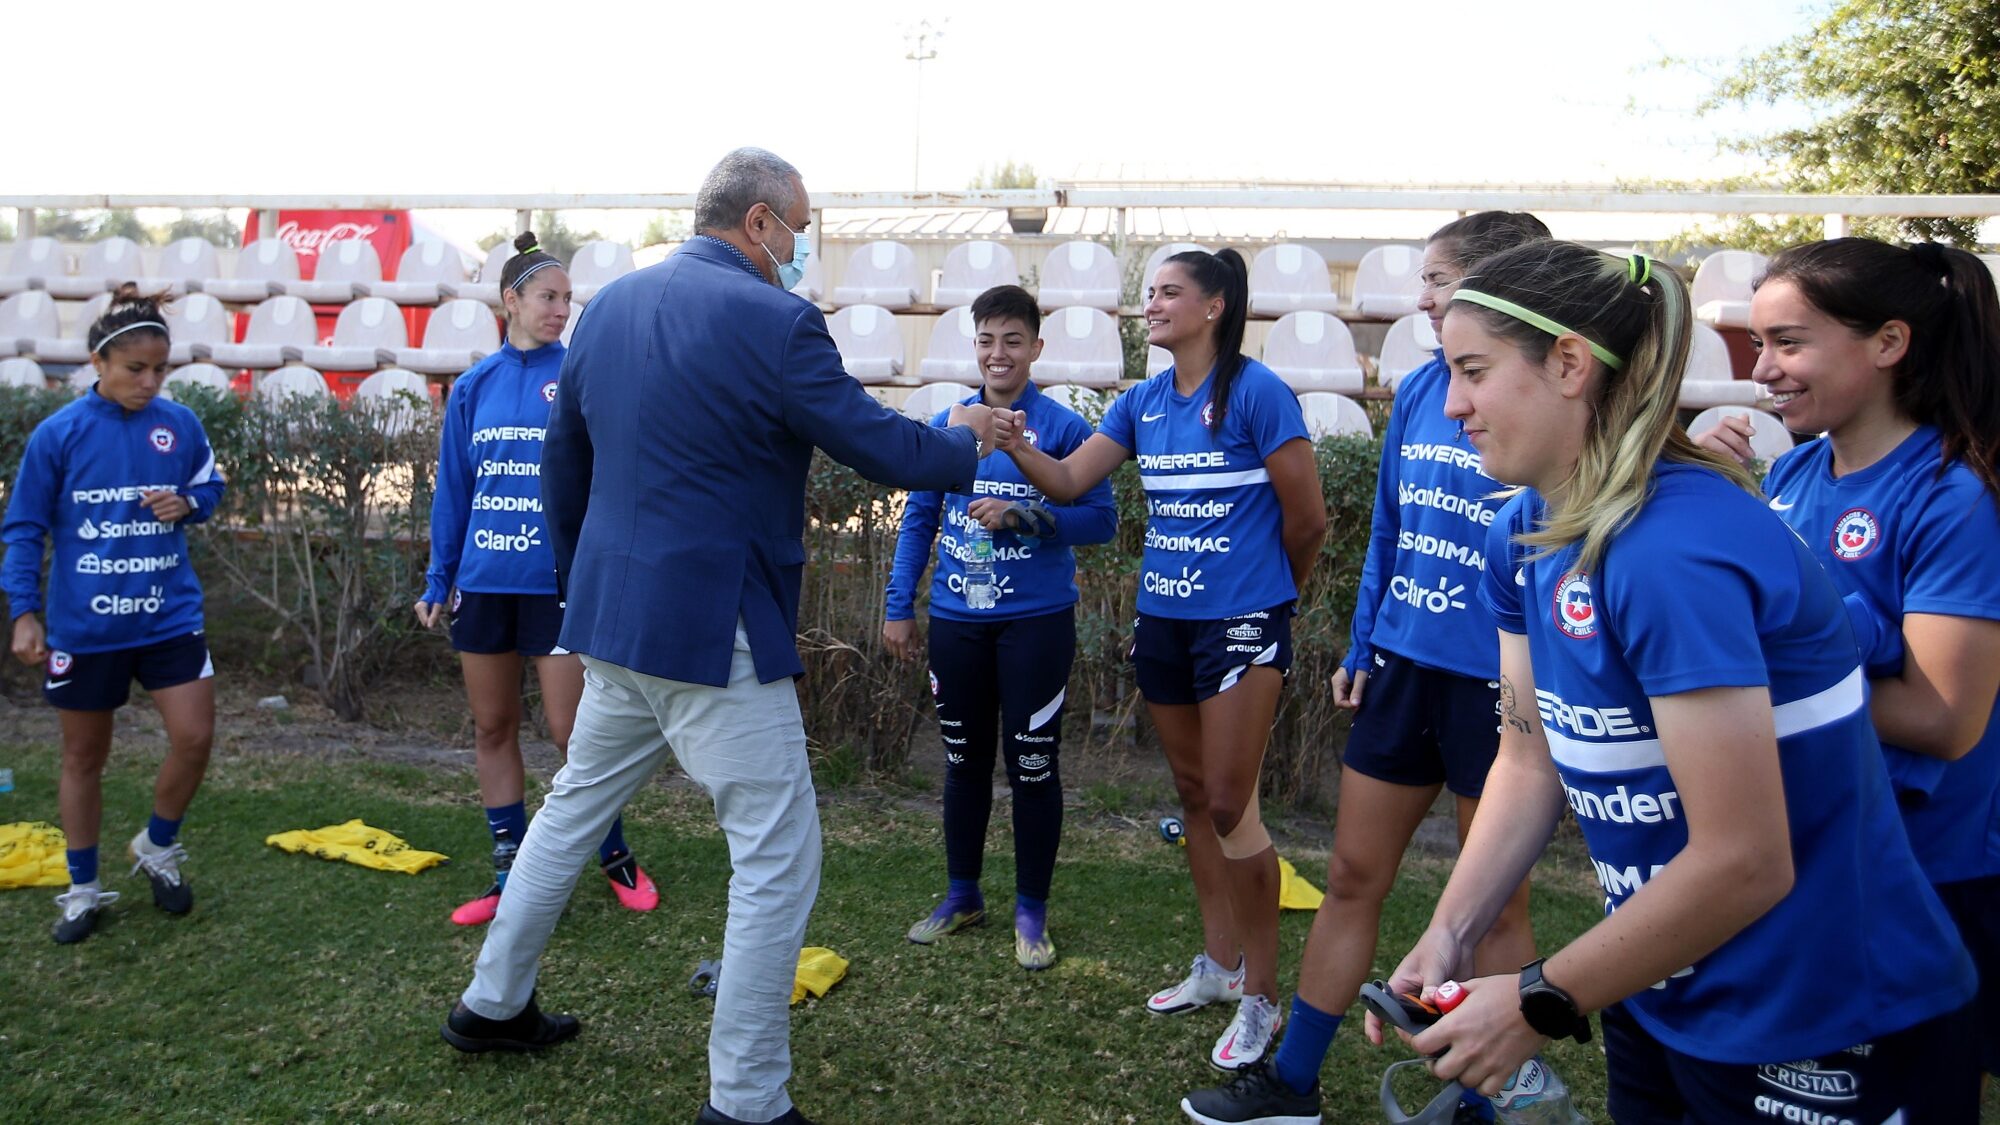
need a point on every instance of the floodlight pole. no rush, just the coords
(923, 47)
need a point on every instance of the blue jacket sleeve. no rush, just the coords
(914, 544)
(451, 500)
(1091, 517)
(568, 459)
(1383, 523)
(204, 489)
(30, 511)
(825, 406)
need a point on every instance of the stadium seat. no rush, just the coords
(107, 264)
(291, 381)
(1722, 286)
(596, 265)
(367, 335)
(487, 289)
(186, 265)
(263, 269)
(973, 268)
(31, 266)
(382, 390)
(195, 324)
(1386, 282)
(196, 375)
(1158, 359)
(280, 330)
(1081, 346)
(26, 318)
(1314, 351)
(1768, 435)
(1290, 278)
(1158, 256)
(1710, 380)
(422, 274)
(1083, 400)
(927, 401)
(1408, 346)
(1330, 415)
(58, 350)
(879, 273)
(347, 266)
(1080, 275)
(813, 285)
(22, 372)
(951, 357)
(870, 343)
(460, 334)
(81, 378)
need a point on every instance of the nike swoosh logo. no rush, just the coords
(1520, 578)
(1778, 504)
(54, 684)
(1152, 417)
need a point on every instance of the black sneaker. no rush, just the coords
(1256, 1096)
(528, 1030)
(713, 1116)
(81, 906)
(162, 866)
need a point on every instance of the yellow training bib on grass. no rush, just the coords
(31, 855)
(819, 969)
(1294, 893)
(357, 843)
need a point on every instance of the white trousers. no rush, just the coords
(745, 745)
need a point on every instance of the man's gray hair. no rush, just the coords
(743, 179)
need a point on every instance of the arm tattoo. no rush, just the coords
(1509, 712)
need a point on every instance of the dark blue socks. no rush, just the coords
(613, 846)
(162, 831)
(82, 864)
(1031, 916)
(1304, 1047)
(964, 895)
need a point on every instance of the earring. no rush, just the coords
(1211, 316)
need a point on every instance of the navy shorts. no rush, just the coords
(1182, 662)
(1975, 905)
(1922, 1075)
(102, 681)
(1422, 726)
(491, 624)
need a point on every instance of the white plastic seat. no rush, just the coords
(879, 273)
(1159, 257)
(1710, 380)
(1158, 359)
(422, 274)
(73, 347)
(1386, 282)
(596, 265)
(951, 356)
(1722, 286)
(19, 371)
(347, 267)
(1408, 345)
(1330, 415)
(367, 335)
(1080, 275)
(1288, 278)
(928, 400)
(82, 378)
(1768, 436)
(263, 270)
(279, 331)
(1314, 351)
(1081, 346)
(972, 269)
(487, 289)
(195, 325)
(196, 375)
(31, 265)
(1083, 400)
(186, 266)
(383, 391)
(870, 343)
(812, 286)
(291, 381)
(460, 334)
(26, 318)
(107, 264)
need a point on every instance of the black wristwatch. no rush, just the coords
(1548, 1009)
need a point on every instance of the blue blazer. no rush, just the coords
(674, 471)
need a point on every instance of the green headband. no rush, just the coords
(1531, 317)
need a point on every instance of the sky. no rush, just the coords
(592, 96)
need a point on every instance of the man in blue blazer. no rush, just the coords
(673, 478)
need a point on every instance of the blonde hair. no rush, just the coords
(1638, 310)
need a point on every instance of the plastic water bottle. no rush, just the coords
(1534, 1095)
(980, 592)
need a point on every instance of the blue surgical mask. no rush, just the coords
(792, 272)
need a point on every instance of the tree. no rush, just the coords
(1903, 97)
(214, 226)
(667, 226)
(552, 234)
(69, 226)
(1006, 175)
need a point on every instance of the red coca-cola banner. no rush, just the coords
(307, 231)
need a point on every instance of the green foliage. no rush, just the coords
(551, 233)
(89, 226)
(214, 226)
(1004, 175)
(667, 226)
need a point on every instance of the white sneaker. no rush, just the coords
(1206, 983)
(80, 906)
(162, 866)
(1250, 1034)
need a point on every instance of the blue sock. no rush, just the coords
(614, 842)
(1303, 1050)
(1477, 1103)
(162, 831)
(513, 821)
(1034, 911)
(964, 895)
(82, 864)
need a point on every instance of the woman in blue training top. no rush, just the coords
(1011, 657)
(1679, 673)
(490, 554)
(1234, 522)
(1894, 355)
(112, 480)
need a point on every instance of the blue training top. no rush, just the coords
(1903, 538)
(1427, 541)
(1706, 588)
(1033, 575)
(1214, 533)
(487, 531)
(120, 578)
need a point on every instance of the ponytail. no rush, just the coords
(1222, 274)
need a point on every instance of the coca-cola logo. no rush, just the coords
(311, 240)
